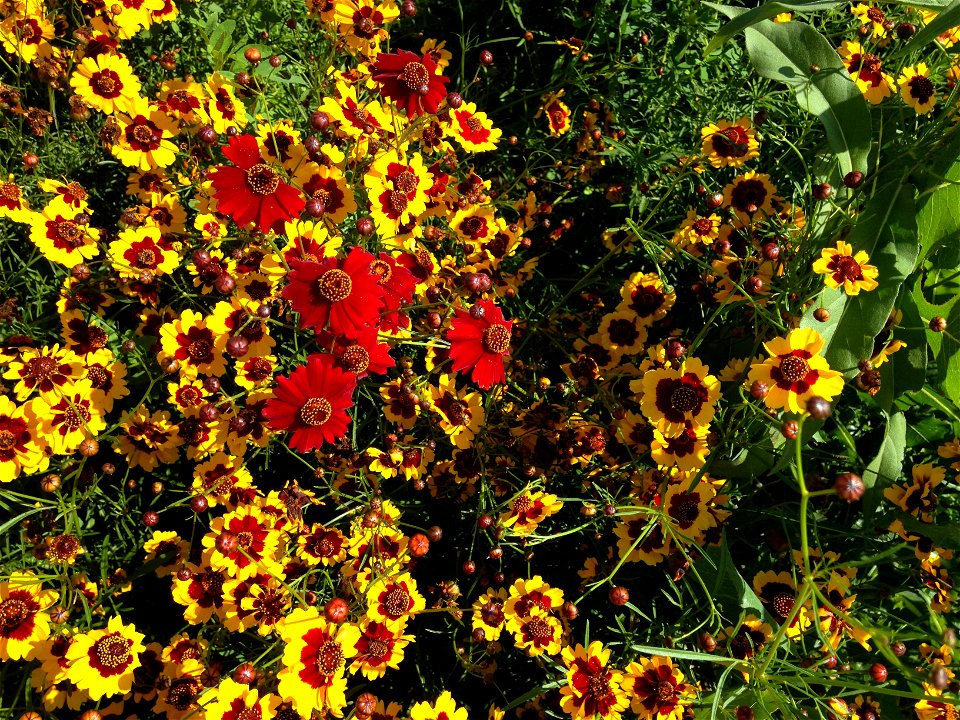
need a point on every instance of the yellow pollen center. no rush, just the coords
(262, 179)
(416, 77)
(13, 612)
(112, 650)
(329, 658)
(315, 411)
(496, 339)
(794, 369)
(335, 285)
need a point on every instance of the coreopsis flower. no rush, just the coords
(105, 81)
(461, 411)
(918, 497)
(750, 196)
(841, 267)
(321, 546)
(48, 371)
(674, 397)
(23, 608)
(538, 633)
(170, 547)
(479, 340)
(528, 595)
(687, 449)
(445, 708)
(865, 69)
(103, 662)
(182, 99)
(132, 17)
(472, 129)
(314, 662)
(28, 37)
(193, 344)
(201, 594)
(657, 689)
(13, 205)
(557, 112)
(397, 190)
(379, 648)
(66, 422)
(251, 191)
(647, 297)
(340, 295)
(795, 372)
(61, 234)
(411, 81)
(689, 511)
(748, 638)
(872, 16)
(239, 319)
(594, 690)
(145, 134)
(327, 186)
(729, 144)
(223, 108)
(148, 439)
(281, 143)
(231, 700)
(266, 605)
(312, 403)
(916, 88)
(528, 510)
(62, 549)
(363, 23)
(488, 613)
(640, 538)
(142, 249)
(393, 600)
(19, 449)
(256, 546)
(935, 709)
(778, 592)
(352, 118)
(220, 477)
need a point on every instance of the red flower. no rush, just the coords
(363, 355)
(398, 285)
(410, 81)
(340, 292)
(478, 341)
(253, 191)
(312, 403)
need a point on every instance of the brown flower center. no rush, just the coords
(406, 182)
(13, 612)
(75, 416)
(397, 200)
(250, 713)
(355, 359)
(382, 270)
(335, 285)
(146, 258)
(378, 648)
(522, 504)
(921, 88)
(665, 691)
(244, 539)
(63, 548)
(703, 226)
(7, 441)
(200, 351)
(683, 399)
(496, 339)
(598, 687)
(41, 368)
(849, 269)
(97, 375)
(262, 179)
(876, 15)
(329, 658)
(539, 629)
(112, 650)
(315, 411)
(68, 231)
(416, 77)
(397, 601)
(782, 604)
(107, 83)
(794, 369)
(143, 134)
(474, 124)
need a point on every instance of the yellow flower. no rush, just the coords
(397, 190)
(778, 591)
(528, 510)
(472, 129)
(148, 439)
(103, 662)
(142, 250)
(66, 422)
(219, 477)
(193, 344)
(230, 700)
(255, 548)
(795, 372)
(750, 196)
(392, 600)
(557, 112)
(26, 624)
(873, 16)
(461, 411)
(842, 268)
(19, 450)
(673, 398)
(379, 648)
(593, 689)
(916, 89)
(12, 203)
(539, 633)
(687, 448)
(865, 69)
(729, 144)
(528, 595)
(28, 37)
(223, 108)
(658, 689)
(488, 615)
(61, 238)
(445, 708)
(104, 81)
(145, 134)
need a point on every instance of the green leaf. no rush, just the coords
(222, 37)
(764, 12)
(731, 593)
(944, 345)
(938, 214)
(786, 52)
(886, 231)
(906, 370)
(947, 18)
(943, 534)
(885, 468)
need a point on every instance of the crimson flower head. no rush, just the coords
(410, 81)
(312, 403)
(479, 338)
(252, 191)
(340, 295)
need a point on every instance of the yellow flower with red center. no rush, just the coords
(729, 144)
(379, 648)
(672, 398)
(142, 250)
(918, 497)
(658, 689)
(935, 709)
(237, 318)
(538, 633)
(843, 268)
(105, 81)
(148, 439)
(28, 37)
(472, 129)
(393, 600)
(201, 594)
(220, 477)
(750, 196)
(314, 662)
(363, 23)
(594, 690)
(488, 614)
(916, 88)
(265, 605)
(242, 543)
(170, 548)
(557, 112)
(865, 69)
(281, 143)
(640, 538)
(63, 234)
(646, 295)
(131, 17)
(795, 372)
(145, 134)
(103, 662)
(19, 449)
(445, 708)
(528, 595)
(687, 449)
(461, 411)
(746, 639)
(528, 510)
(397, 190)
(25, 623)
(12, 203)
(872, 16)
(689, 511)
(66, 422)
(193, 344)
(222, 107)
(778, 591)
(231, 700)
(322, 546)
(328, 186)
(351, 117)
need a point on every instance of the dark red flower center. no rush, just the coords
(13, 612)
(146, 258)
(111, 651)
(41, 368)
(106, 83)
(382, 270)
(68, 231)
(143, 134)
(378, 648)
(848, 268)
(397, 601)
(329, 658)
(75, 416)
(748, 196)
(355, 359)
(200, 350)
(731, 142)
(782, 604)
(315, 411)
(598, 687)
(876, 15)
(921, 88)
(262, 179)
(7, 441)
(665, 691)
(683, 399)
(496, 339)
(97, 376)
(334, 285)
(794, 369)
(397, 200)
(416, 77)
(522, 504)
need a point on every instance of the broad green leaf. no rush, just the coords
(886, 231)
(943, 534)
(791, 53)
(947, 18)
(906, 369)
(764, 12)
(731, 593)
(938, 214)
(885, 468)
(222, 37)
(944, 345)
